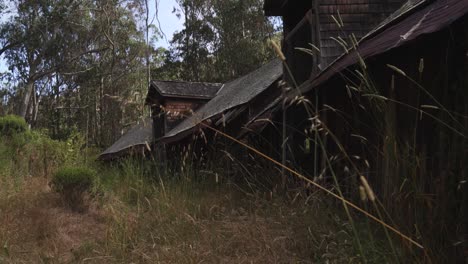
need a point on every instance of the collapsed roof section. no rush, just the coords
(235, 93)
(138, 138)
(226, 97)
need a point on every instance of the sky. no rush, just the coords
(169, 24)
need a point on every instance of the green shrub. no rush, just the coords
(11, 125)
(73, 183)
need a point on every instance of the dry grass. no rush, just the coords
(223, 227)
(35, 227)
(134, 219)
(176, 226)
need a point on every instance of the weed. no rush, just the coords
(73, 183)
(11, 124)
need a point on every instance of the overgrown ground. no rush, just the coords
(139, 215)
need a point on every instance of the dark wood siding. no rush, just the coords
(329, 25)
(358, 17)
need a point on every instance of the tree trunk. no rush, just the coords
(26, 99)
(37, 101)
(148, 68)
(55, 105)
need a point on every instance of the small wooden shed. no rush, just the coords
(237, 104)
(173, 101)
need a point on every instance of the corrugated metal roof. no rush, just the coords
(139, 135)
(234, 93)
(184, 89)
(409, 23)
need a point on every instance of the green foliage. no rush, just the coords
(42, 40)
(33, 153)
(73, 183)
(133, 180)
(73, 147)
(12, 124)
(73, 178)
(97, 55)
(221, 40)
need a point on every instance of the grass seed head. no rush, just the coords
(278, 51)
(369, 191)
(362, 193)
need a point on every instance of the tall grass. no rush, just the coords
(417, 187)
(198, 217)
(190, 211)
(225, 204)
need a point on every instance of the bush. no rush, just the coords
(11, 125)
(73, 183)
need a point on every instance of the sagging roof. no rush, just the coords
(414, 19)
(235, 93)
(140, 135)
(180, 89)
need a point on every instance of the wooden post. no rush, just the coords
(283, 146)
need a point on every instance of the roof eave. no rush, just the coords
(274, 7)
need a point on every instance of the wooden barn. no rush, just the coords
(237, 104)
(375, 88)
(389, 104)
(170, 103)
(243, 108)
(173, 101)
(178, 109)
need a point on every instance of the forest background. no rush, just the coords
(84, 66)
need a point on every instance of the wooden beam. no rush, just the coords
(308, 18)
(274, 7)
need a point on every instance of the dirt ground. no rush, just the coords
(38, 228)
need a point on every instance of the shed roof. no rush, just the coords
(139, 135)
(180, 89)
(232, 94)
(414, 19)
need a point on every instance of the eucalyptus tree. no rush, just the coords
(111, 83)
(85, 58)
(242, 36)
(44, 38)
(193, 45)
(221, 40)
(48, 40)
